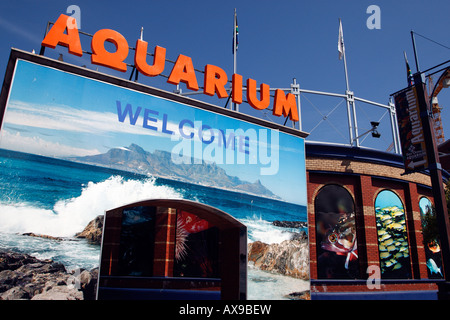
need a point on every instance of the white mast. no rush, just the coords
(235, 42)
(350, 98)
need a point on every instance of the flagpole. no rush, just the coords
(344, 58)
(235, 106)
(350, 100)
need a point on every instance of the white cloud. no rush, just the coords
(18, 142)
(65, 118)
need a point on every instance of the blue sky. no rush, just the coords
(278, 40)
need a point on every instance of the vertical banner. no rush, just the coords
(410, 129)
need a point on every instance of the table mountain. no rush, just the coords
(159, 163)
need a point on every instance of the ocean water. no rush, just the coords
(59, 198)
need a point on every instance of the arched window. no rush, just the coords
(431, 243)
(337, 254)
(392, 236)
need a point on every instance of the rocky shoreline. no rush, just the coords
(25, 277)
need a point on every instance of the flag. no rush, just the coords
(409, 76)
(235, 33)
(341, 47)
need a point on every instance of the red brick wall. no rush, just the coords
(364, 181)
(164, 242)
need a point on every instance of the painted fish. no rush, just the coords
(390, 263)
(385, 255)
(397, 266)
(396, 226)
(392, 248)
(385, 236)
(398, 255)
(334, 242)
(433, 267)
(434, 247)
(397, 213)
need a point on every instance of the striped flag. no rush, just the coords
(409, 75)
(341, 47)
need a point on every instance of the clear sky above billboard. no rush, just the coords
(277, 42)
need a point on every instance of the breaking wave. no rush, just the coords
(70, 216)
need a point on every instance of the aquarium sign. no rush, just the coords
(64, 32)
(410, 129)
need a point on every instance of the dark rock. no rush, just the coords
(289, 224)
(25, 277)
(13, 260)
(93, 231)
(16, 293)
(258, 250)
(300, 236)
(31, 234)
(303, 295)
(88, 283)
(290, 257)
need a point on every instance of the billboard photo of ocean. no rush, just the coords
(58, 198)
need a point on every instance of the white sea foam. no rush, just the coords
(72, 215)
(262, 230)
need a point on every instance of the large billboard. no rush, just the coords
(75, 143)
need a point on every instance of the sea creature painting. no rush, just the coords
(431, 264)
(342, 240)
(434, 247)
(337, 245)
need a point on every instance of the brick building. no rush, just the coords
(365, 223)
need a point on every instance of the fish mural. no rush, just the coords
(392, 234)
(432, 247)
(432, 266)
(337, 245)
(341, 239)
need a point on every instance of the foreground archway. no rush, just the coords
(172, 249)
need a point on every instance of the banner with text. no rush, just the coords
(410, 129)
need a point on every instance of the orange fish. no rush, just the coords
(434, 247)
